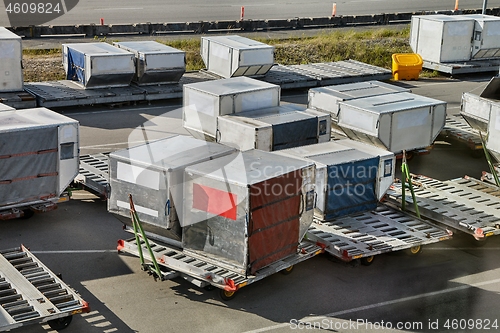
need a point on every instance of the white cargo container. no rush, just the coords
(442, 38)
(275, 128)
(153, 173)
(476, 109)
(493, 138)
(155, 63)
(247, 210)
(395, 122)
(39, 153)
(486, 36)
(98, 65)
(326, 98)
(351, 176)
(4, 107)
(203, 102)
(230, 56)
(11, 68)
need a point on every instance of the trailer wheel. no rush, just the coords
(367, 261)
(60, 323)
(27, 213)
(414, 250)
(227, 295)
(287, 270)
(479, 243)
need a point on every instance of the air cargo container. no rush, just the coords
(155, 63)
(203, 102)
(395, 122)
(247, 210)
(39, 153)
(153, 173)
(11, 56)
(442, 38)
(486, 36)
(476, 109)
(326, 98)
(230, 56)
(98, 65)
(275, 128)
(351, 176)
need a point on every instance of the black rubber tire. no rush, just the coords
(479, 243)
(367, 261)
(415, 250)
(287, 270)
(227, 295)
(60, 323)
(27, 213)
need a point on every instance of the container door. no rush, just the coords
(493, 140)
(76, 66)
(29, 166)
(68, 155)
(11, 73)
(456, 45)
(295, 134)
(351, 187)
(273, 228)
(411, 129)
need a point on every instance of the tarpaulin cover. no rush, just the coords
(76, 66)
(28, 165)
(274, 219)
(351, 187)
(295, 134)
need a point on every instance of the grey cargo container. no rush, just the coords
(395, 122)
(247, 210)
(39, 156)
(486, 36)
(275, 128)
(11, 69)
(203, 102)
(153, 173)
(351, 176)
(493, 138)
(326, 98)
(230, 56)
(442, 38)
(155, 63)
(98, 65)
(476, 109)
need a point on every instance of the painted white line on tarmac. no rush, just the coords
(378, 305)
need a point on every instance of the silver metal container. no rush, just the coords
(476, 109)
(39, 156)
(247, 210)
(275, 128)
(351, 176)
(493, 138)
(486, 36)
(4, 107)
(442, 38)
(98, 65)
(11, 68)
(326, 98)
(230, 56)
(203, 102)
(395, 122)
(155, 63)
(154, 173)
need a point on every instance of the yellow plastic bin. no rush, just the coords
(406, 66)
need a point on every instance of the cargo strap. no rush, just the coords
(138, 233)
(405, 170)
(490, 163)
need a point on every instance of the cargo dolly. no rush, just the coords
(31, 294)
(93, 174)
(463, 204)
(382, 230)
(458, 130)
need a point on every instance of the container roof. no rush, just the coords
(248, 167)
(231, 86)
(7, 34)
(172, 153)
(358, 90)
(238, 42)
(392, 102)
(148, 46)
(32, 118)
(100, 48)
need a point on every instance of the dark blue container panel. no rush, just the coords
(76, 66)
(351, 187)
(295, 134)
